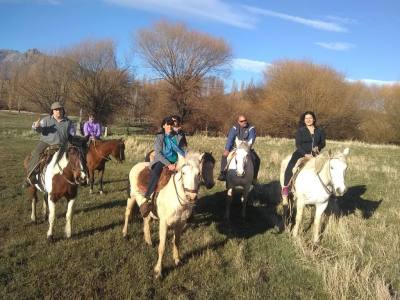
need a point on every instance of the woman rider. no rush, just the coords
(310, 139)
(166, 148)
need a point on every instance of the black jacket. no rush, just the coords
(305, 142)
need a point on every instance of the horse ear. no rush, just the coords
(346, 151)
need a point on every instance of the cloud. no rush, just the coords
(215, 10)
(248, 65)
(374, 81)
(317, 24)
(337, 46)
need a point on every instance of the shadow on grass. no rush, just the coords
(194, 254)
(89, 232)
(260, 213)
(105, 205)
(353, 201)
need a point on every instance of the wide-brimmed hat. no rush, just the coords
(56, 105)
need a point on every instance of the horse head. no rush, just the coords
(337, 170)
(77, 164)
(241, 156)
(207, 162)
(189, 168)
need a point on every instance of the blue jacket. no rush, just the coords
(159, 148)
(247, 133)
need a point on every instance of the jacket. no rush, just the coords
(247, 133)
(159, 147)
(53, 132)
(305, 142)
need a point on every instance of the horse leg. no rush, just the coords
(68, 218)
(91, 179)
(299, 216)
(161, 248)
(129, 205)
(101, 180)
(52, 214)
(33, 194)
(177, 241)
(244, 198)
(45, 206)
(228, 204)
(319, 210)
(146, 230)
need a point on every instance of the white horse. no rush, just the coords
(239, 175)
(60, 178)
(174, 203)
(320, 178)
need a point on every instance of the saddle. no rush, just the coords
(46, 156)
(144, 179)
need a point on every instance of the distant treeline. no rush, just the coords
(190, 67)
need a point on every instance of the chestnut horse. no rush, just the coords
(60, 178)
(98, 154)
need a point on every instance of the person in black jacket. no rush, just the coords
(310, 140)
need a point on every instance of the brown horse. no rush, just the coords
(98, 154)
(59, 178)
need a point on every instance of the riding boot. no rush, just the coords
(222, 174)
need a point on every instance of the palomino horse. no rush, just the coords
(174, 203)
(239, 175)
(98, 155)
(60, 178)
(320, 178)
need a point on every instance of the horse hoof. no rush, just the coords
(50, 239)
(91, 191)
(101, 192)
(158, 275)
(177, 262)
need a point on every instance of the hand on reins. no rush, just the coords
(172, 167)
(226, 153)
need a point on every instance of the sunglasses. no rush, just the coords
(241, 121)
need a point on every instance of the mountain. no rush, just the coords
(11, 58)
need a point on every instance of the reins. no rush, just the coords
(97, 152)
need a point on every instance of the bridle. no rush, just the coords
(181, 200)
(329, 188)
(74, 168)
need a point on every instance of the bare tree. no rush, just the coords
(182, 57)
(100, 86)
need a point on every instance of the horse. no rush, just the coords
(239, 175)
(320, 178)
(98, 155)
(60, 178)
(174, 202)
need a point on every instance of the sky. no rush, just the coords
(359, 38)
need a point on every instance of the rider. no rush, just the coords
(244, 132)
(178, 130)
(54, 129)
(92, 128)
(166, 148)
(310, 140)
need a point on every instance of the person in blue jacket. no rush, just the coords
(244, 132)
(166, 147)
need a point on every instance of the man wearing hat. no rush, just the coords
(54, 130)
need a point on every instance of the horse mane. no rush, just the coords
(244, 145)
(207, 157)
(191, 157)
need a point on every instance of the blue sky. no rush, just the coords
(357, 38)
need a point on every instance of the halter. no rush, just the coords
(73, 169)
(329, 185)
(180, 199)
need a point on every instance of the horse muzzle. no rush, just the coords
(191, 195)
(340, 191)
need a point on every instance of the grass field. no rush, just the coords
(358, 256)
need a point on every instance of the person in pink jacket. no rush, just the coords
(92, 128)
